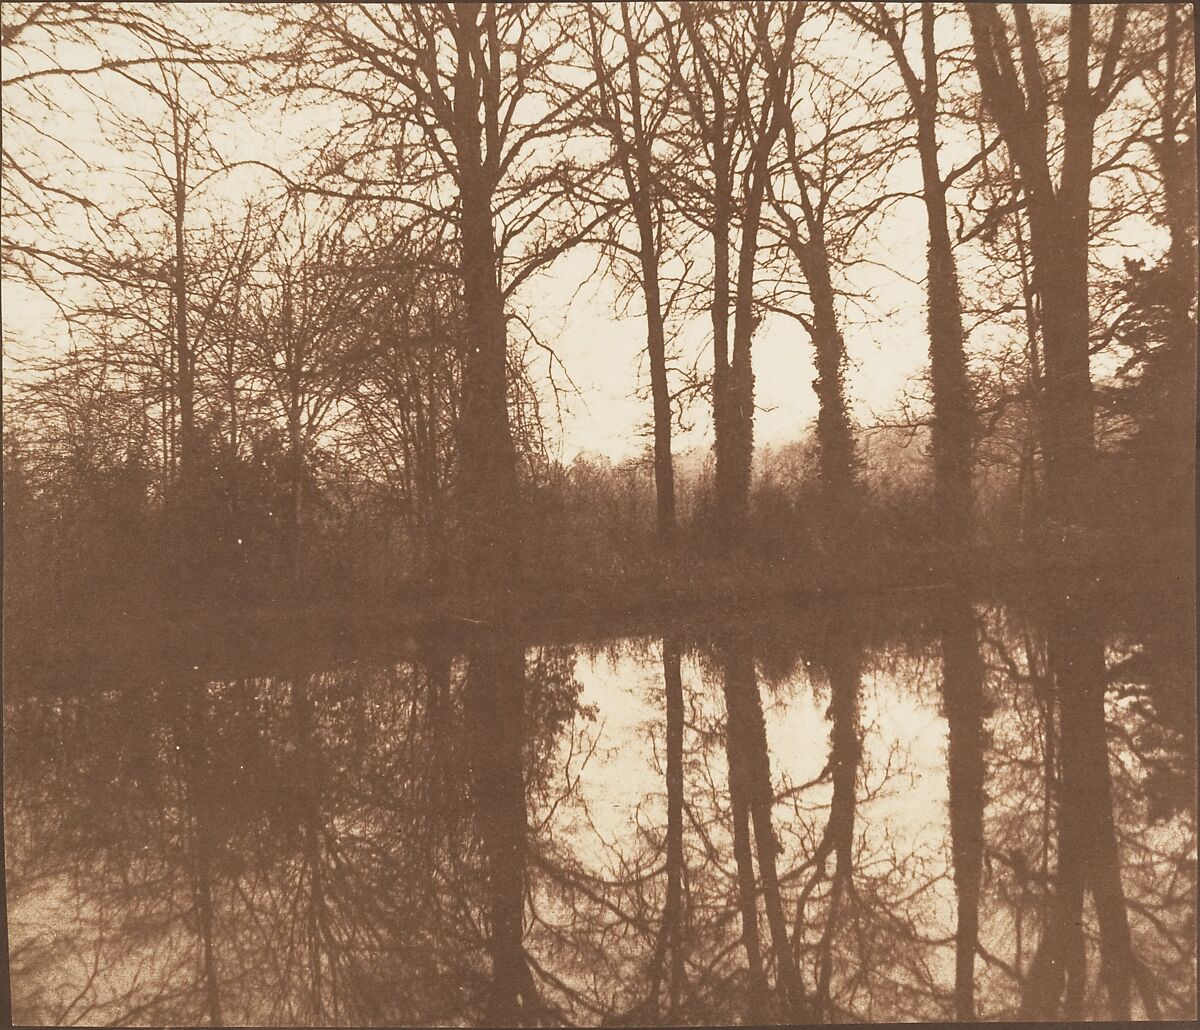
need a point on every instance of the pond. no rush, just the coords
(934, 809)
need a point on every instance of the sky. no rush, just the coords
(600, 344)
(605, 355)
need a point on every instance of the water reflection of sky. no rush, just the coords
(347, 796)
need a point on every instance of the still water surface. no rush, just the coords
(806, 817)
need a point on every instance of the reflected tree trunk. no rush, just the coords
(673, 915)
(307, 780)
(495, 708)
(1086, 801)
(754, 798)
(204, 912)
(845, 756)
(444, 765)
(669, 946)
(757, 989)
(1088, 856)
(193, 735)
(963, 703)
(843, 668)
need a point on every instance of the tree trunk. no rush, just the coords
(487, 456)
(307, 779)
(183, 526)
(1087, 844)
(664, 472)
(296, 475)
(835, 436)
(733, 384)
(722, 385)
(1059, 234)
(1060, 277)
(185, 383)
(641, 198)
(198, 799)
(953, 404)
(1173, 434)
(1177, 164)
(843, 668)
(1087, 828)
(757, 989)
(733, 477)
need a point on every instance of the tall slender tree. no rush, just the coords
(733, 67)
(953, 402)
(632, 117)
(1058, 207)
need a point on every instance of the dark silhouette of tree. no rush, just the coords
(406, 399)
(1059, 227)
(752, 798)
(673, 913)
(1157, 324)
(199, 836)
(460, 98)
(1087, 855)
(633, 117)
(732, 67)
(837, 840)
(806, 237)
(306, 344)
(965, 709)
(495, 708)
(953, 403)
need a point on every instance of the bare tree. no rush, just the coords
(1059, 221)
(633, 116)
(732, 67)
(55, 56)
(953, 403)
(306, 343)
(463, 98)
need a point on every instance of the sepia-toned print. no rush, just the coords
(599, 514)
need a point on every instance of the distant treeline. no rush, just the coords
(81, 539)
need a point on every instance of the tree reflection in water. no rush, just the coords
(756, 823)
(963, 704)
(494, 706)
(752, 799)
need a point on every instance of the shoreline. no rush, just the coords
(215, 633)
